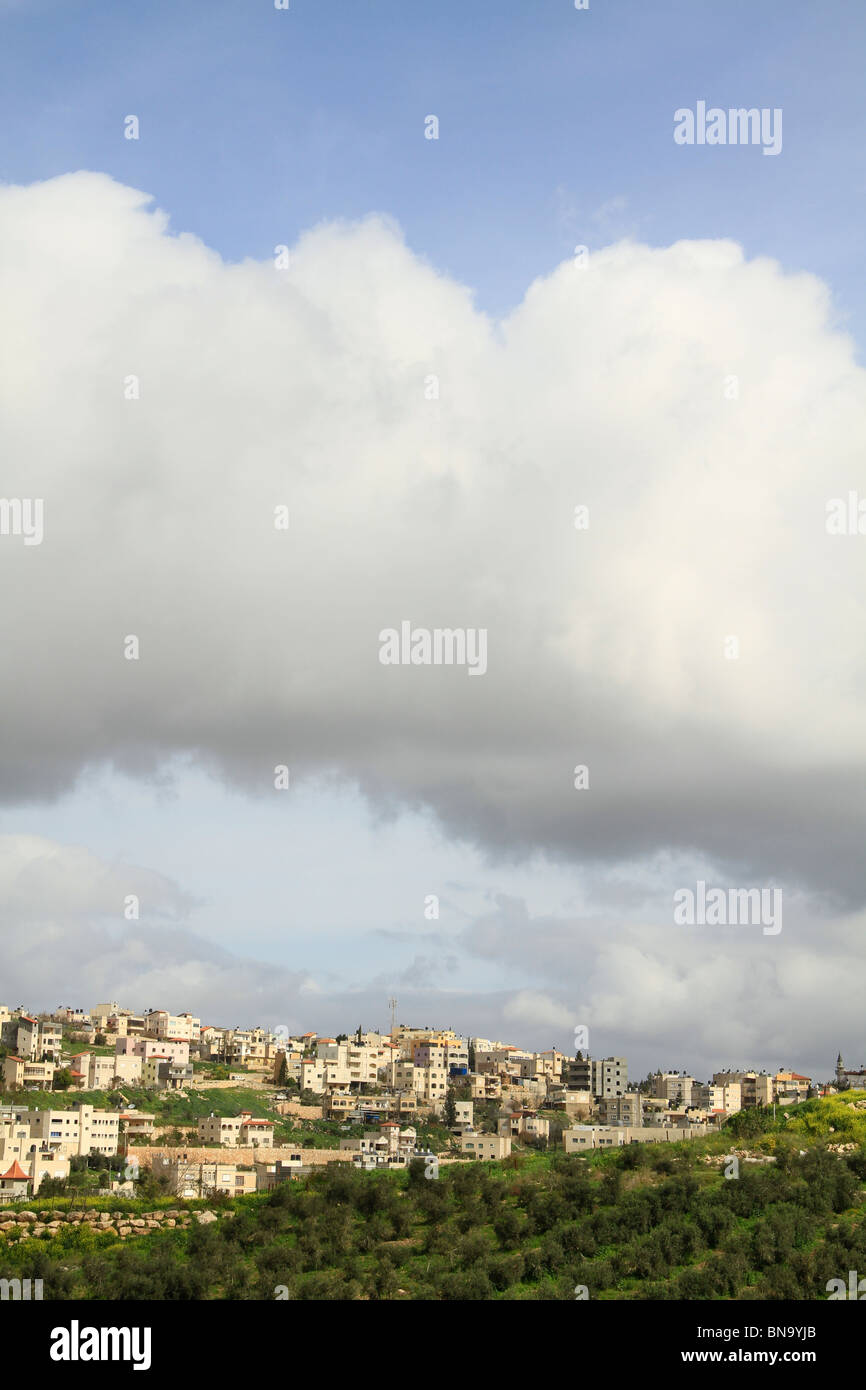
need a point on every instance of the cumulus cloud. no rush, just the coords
(703, 997)
(312, 388)
(66, 940)
(538, 1010)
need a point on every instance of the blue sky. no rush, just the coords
(555, 130)
(555, 123)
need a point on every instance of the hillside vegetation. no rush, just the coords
(643, 1222)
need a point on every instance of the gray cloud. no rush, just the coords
(307, 388)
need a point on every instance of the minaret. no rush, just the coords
(840, 1068)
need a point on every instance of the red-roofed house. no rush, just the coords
(21, 1074)
(14, 1183)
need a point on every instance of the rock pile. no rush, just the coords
(118, 1223)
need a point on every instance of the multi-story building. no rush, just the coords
(463, 1114)
(621, 1110)
(20, 1074)
(756, 1088)
(164, 1074)
(237, 1131)
(320, 1076)
(36, 1040)
(80, 1130)
(176, 1050)
(523, 1124)
(78, 1018)
(583, 1137)
(609, 1077)
(112, 1019)
(791, 1086)
(483, 1086)
(93, 1072)
(389, 1146)
(718, 1099)
(192, 1179)
(270, 1173)
(674, 1087)
(172, 1027)
(485, 1146)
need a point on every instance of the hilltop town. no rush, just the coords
(103, 1098)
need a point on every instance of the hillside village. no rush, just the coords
(106, 1095)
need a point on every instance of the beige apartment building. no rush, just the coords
(20, 1074)
(523, 1124)
(97, 1073)
(756, 1088)
(237, 1131)
(717, 1099)
(81, 1130)
(674, 1087)
(30, 1038)
(484, 1086)
(190, 1179)
(319, 1076)
(79, 1018)
(791, 1086)
(583, 1137)
(135, 1125)
(485, 1146)
(389, 1146)
(621, 1110)
(111, 1018)
(172, 1027)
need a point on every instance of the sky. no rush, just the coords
(552, 304)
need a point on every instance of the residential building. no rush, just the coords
(621, 1110)
(270, 1173)
(20, 1073)
(172, 1027)
(718, 1099)
(523, 1124)
(791, 1086)
(583, 1137)
(485, 1146)
(80, 1130)
(756, 1088)
(237, 1131)
(673, 1086)
(609, 1077)
(389, 1146)
(193, 1179)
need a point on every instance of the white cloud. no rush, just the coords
(307, 387)
(538, 1010)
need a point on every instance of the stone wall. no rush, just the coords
(225, 1154)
